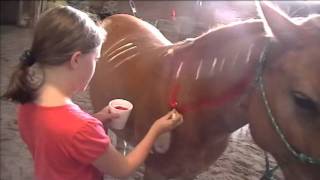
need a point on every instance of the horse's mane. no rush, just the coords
(222, 35)
(251, 25)
(312, 24)
(233, 31)
(218, 40)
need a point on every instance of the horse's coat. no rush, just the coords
(139, 64)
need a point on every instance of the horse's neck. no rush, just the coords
(210, 55)
(230, 38)
(210, 65)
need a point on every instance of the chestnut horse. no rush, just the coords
(211, 79)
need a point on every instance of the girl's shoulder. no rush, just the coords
(68, 115)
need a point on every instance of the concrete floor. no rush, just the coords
(242, 160)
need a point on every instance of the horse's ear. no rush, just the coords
(277, 23)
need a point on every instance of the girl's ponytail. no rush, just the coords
(21, 88)
(59, 33)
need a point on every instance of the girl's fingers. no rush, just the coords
(169, 115)
(173, 114)
(114, 116)
(177, 120)
(180, 120)
(175, 117)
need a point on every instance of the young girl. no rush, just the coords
(65, 142)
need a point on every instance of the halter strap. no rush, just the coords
(268, 173)
(227, 96)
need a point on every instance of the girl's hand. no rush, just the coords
(167, 122)
(105, 115)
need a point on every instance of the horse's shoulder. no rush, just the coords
(121, 16)
(116, 19)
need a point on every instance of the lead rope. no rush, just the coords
(268, 173)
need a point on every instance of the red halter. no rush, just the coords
(227, 96)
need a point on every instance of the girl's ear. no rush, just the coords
(75, 59)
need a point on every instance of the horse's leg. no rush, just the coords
(120, 144)
(124, 148)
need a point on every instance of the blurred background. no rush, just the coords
(176, 19)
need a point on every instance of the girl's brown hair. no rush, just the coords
(59, 33)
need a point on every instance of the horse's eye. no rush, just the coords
(304, 102)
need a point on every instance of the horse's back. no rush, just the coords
(123, 26)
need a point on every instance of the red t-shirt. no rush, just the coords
(63, 141)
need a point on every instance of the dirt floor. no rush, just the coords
(242, 160)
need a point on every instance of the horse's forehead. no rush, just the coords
(312, 28)
(303, 58)
(303, 65)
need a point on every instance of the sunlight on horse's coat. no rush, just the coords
(199, 69)
(170, 51)
(124, 48)
(179, 70)
(214, 62)
(222, 64)
(114, 45)
(125, 60)
(249, 53)
(124, 51)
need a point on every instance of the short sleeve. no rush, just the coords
(89, 142)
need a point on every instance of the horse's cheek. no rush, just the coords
(258, 120)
